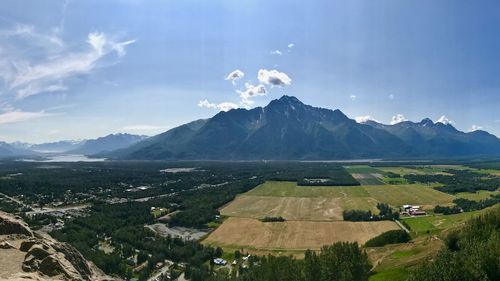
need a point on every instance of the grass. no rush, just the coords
(296, 208)
(395, 195)
(477, 196)
(436, 223)
(291, 189)
(415, 194)
(393, 274)
(394, 181)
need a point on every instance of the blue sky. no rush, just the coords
(84, 69)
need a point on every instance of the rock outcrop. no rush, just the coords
(27, 255)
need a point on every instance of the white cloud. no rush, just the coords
(273, 78)
(475, 128)
(276, 52)
(26, 31)
(352, 97)
(291, 45)
(398, 118)
(27, 76)
(143, 127)
(17, 116)
(444, 120)
(364, 119)
(391, 96)
(235, 76)
(252, 91)
(206, 104)
(226, 106)
(35, 88)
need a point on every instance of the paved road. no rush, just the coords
(15, 200)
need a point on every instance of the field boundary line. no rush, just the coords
(402, 226)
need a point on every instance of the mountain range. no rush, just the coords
(287, 129)
(86, 147)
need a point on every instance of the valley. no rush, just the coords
(131, 216)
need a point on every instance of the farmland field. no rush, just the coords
(366, 175)
(420, 225)
(293, 235)
(416, 194)
(421, 170)
(296, 208)
(291, 189)
(395, 195)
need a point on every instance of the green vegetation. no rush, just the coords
(392, 274)
(470, 254)
(465, 205)
(291, 189)
(385, 213)
(340, 261)
(478, 195)
(389, 237)
(273, 219)
(433, 224)
(459, 181)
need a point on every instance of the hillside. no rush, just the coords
(287, 129)
(8, 150)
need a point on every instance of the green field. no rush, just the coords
(291, 189)
(395, 195)
(392, 274)
(433, 224)
(477, 196)
(421, 170)
(415, 194)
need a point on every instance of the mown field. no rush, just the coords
(436, 223)
(395, 195)
(292, 235)
(296, 208)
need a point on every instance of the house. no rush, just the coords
(417, 213)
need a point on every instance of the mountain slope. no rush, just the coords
(107, 143)
(57, 147)
(287, 129)
(7, 150)
(437, 139)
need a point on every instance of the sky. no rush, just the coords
(85, 69)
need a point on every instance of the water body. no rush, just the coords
(65, 158)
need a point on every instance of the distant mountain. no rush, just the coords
(8, 150)
(57, 147)
(107, 143)
(287, 129)
(438, 139)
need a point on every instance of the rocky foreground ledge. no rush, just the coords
(29, 255)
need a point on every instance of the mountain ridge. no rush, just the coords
(287, 129)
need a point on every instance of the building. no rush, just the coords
(219, 261)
